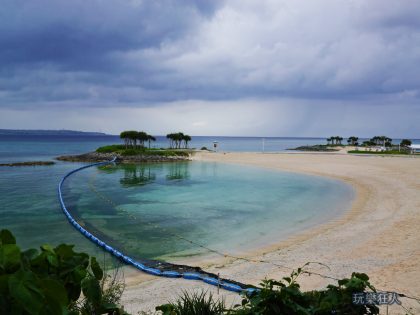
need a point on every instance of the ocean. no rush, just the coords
(149, 211)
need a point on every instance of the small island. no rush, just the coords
(137, 148)
(375, 145)
(315, 148)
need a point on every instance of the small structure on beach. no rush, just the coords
(215, 145)
(415, 148)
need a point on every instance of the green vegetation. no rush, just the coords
(353, 140)
(176, 140)
(334, 140)
(121, 149)
(61, 281)
(194, 304)
(131, 137)
(282, 297)
(405, 143)
(381, 141)
(315, 148)
(52, 280)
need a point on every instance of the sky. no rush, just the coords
(237, 67)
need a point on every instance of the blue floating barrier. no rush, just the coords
(211, 281)
(128, 260)
(231, 287)
(191, 276)
(154, 271)
(171, 274)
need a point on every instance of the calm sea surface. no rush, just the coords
(152, 210)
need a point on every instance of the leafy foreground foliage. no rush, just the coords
(50, 281)
(282, 297)
(121, 149)
(195, 303)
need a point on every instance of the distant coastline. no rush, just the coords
(40, 132)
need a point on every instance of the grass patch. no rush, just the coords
(120, 149)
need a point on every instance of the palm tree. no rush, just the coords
(170, 136)
(131, 137)
(339, 139)
(150, 138)
(329, 140)
(374, 140)
(186, 139)
(142, 137)
(124, 136)
(405, 143)
(352, 140)
(179, 137)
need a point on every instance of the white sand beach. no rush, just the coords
(378, 236)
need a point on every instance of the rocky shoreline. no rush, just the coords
(101, 157)
(315, 148)
(29, 163)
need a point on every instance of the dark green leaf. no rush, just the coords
(56, 300)
(4, 284)
(52, 259)
(9, 257)
(24, 288)
(30, 253)
(6, 237)
(47, 248)
(96, 269)
(92, 290)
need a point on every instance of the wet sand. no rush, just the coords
(378, 235)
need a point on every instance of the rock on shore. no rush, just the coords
(315, 148)
(100, 157)
(29, 163)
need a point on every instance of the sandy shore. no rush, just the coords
(379, 235)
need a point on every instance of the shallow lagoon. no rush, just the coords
(175, 210)
(225, 207)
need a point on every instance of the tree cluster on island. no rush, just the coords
(176, 140)
(131, 137)
(374, 141)
(334, 140)
(378, 141)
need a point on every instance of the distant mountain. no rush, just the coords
(16, 132)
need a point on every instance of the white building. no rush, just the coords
(415, 148)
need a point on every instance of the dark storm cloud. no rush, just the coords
(131, 53)
(81, 35)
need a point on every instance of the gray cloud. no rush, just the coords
(136, 54)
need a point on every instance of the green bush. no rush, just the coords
(110, 148)
(129, 152)
(195, 303)
(282, 297)
(50, 281)
(120, 149)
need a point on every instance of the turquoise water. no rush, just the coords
(154, 210)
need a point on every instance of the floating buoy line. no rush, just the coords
(156, 268)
